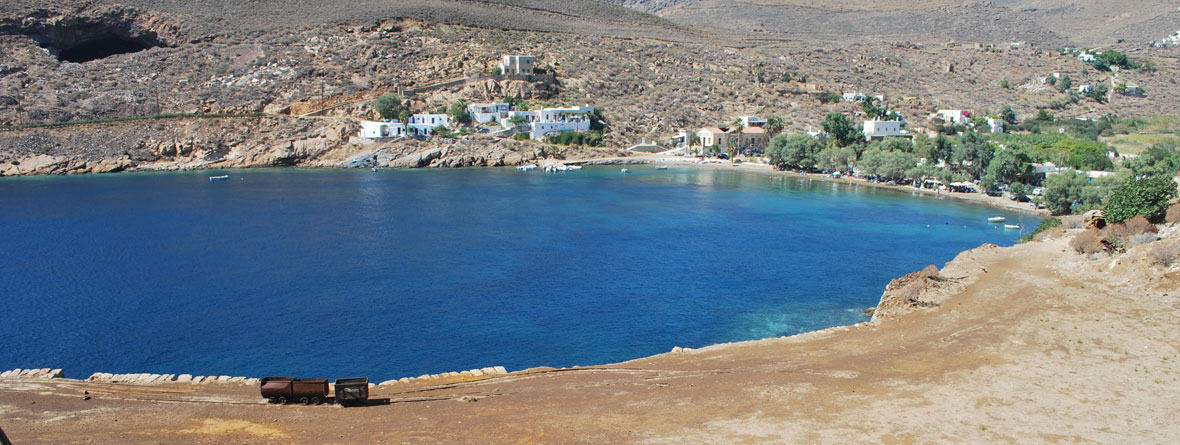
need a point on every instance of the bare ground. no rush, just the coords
(1031, 343)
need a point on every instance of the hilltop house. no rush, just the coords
(382, 129)
(1085, 89)
(879, 129)
(423, 124)
(516, 65)
(484, 113)
(551, 120)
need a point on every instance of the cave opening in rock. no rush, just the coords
(82, 40)
(101, 48)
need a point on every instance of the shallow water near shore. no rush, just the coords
(341, 273)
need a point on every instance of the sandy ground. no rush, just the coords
(1031, 343)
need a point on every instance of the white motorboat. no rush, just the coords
(1011, 226)
(623, 171)
(997, 219)
(219, 178)
(662, 167)
(525, 168)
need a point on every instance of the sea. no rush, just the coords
(398, 273)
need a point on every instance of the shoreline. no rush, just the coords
(195, 379)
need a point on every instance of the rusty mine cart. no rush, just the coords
(281, 390)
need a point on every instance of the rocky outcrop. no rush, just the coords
(904, 294)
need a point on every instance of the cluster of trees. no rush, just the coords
(591, 138)
(390, 106)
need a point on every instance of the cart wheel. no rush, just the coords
(305, 401)
(273, 400)
(282, 400)
(316, 400)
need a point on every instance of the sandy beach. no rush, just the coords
(766, 169)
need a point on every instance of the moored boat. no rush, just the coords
(623, 171)
(1011, 226)
(997, 219)
(219, 178)
(525, 168)
(662, 167)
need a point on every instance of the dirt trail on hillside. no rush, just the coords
(1028, 343)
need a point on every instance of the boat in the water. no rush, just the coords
(525, 168)
(1011, 226)
(997, 219)
(623, 171)
(573, 167)
(662, 167)
(219, 178)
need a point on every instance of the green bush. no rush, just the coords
(1140, 196)
(1044, 225)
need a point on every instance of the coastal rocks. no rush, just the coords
(159, 379)
(904, 294)
(416, 160)
(470, 374)
(34, 373)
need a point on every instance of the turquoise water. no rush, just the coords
(339, 273)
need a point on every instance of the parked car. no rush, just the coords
(994, 193)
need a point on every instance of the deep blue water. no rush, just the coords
(399, 273)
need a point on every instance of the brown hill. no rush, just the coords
(1047, 22)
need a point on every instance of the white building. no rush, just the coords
(854, 97)
(752, 121)
(551, 120)
(382, 129)
(484, 113)
(1085, 89)
(876, 129)
(996, 125)
(955, 116)
(1086, 57)
(516, 65)
(423, 124)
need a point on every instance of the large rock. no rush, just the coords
(1094, 218)
(416, 160)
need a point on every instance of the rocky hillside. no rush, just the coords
(63, 61)
(1046, 22)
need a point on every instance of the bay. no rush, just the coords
(340, 273)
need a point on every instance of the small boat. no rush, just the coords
(374, 168)
(573, 167)
(1011, 226)
(623, 171)
(525, 168)
(997, 219)
(219, 178)
(662, 167)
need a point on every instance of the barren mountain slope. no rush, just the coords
(1048, 22)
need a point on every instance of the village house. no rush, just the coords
(753, 140)
(854, 97)
(1085, 89)
(954, 116)
(382, 129)
(516, 65)
(551, 120)
(423, 124)
(752, 121)
(879, 129)
(995, 125)
(713, 137)
(488, 112)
